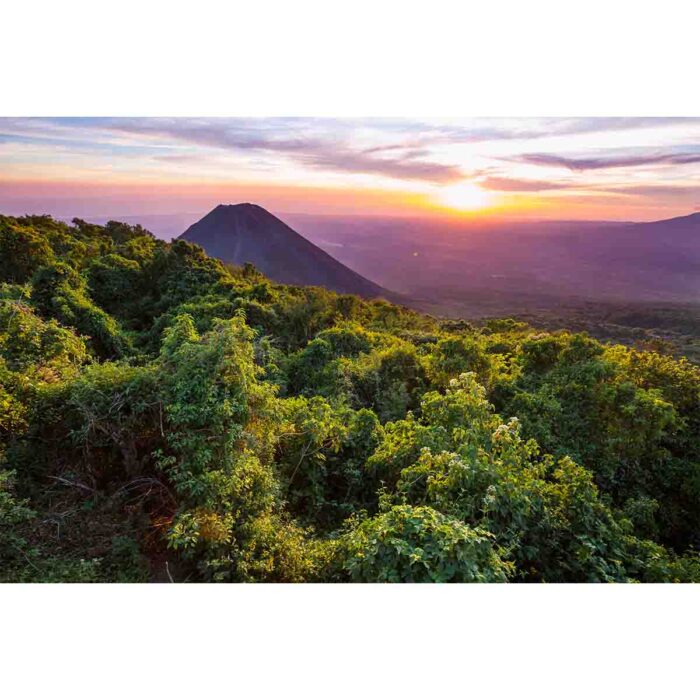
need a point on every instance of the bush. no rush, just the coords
(419, 545)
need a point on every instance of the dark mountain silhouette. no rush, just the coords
(241, 233)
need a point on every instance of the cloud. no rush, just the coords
(606, 162)
(654, 191)
(400, 149)
(405, 168)
(588, 125)
(178, 158)
(527, 128)
(327, 143)
(301, 141)
(507, 184)
(316, 143)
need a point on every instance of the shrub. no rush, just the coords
(419, 545)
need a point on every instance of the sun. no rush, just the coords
(464, 196)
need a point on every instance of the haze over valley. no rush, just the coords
(440, 259)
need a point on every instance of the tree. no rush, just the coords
(22, 252)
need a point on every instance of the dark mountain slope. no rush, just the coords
(240, 233)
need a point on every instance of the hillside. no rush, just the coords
(482, 265)
(164, 417)
(247, 233)
(628, 282)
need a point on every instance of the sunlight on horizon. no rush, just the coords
(589, 168)
(465, 196)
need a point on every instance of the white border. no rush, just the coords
(360, 58)
(349, 641)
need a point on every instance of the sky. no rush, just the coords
(626, 168)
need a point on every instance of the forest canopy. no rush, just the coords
(165, 417)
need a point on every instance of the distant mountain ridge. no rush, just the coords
(241, 233)
(677, 221)
(496, 267)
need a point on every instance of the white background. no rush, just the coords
(527, 58)
(355, 58)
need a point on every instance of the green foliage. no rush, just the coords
(115, 283)
(167, 417)
(34, 346)
(389, 380)
(321, 457)
(22, 251)
(419, 545)
(630, 417)
(59, 292)
(452, 356)
(13, 512)
(462, 460)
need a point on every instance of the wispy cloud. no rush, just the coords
(613, 161)
(299, 140)
(403, 168)
(616, 161)
(513, 128)
(178, 158)
(658, 191)
(315, 143)
(508, 184)
(331, 144)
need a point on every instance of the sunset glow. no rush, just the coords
(464, 197)
(603, 168)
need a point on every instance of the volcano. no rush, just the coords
(247, 233)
